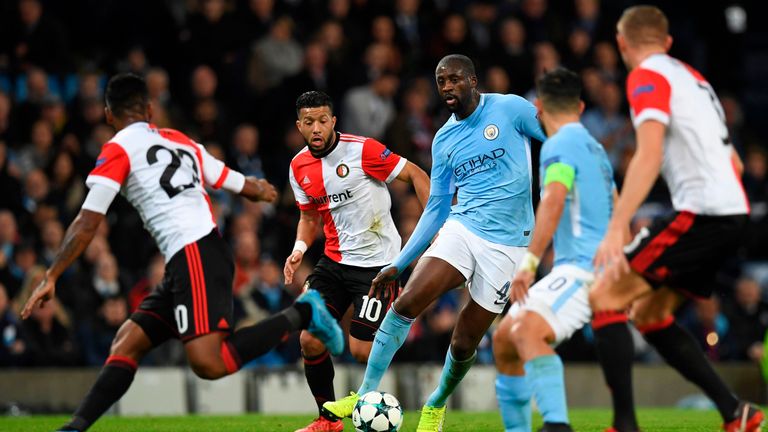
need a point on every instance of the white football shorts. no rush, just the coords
(487, 266)
(561, 298)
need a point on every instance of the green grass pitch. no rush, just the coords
(583, 420)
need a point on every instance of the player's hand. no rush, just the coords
(259, 190)
(520, 285)
(44, 292)
(384, 280)
(610, 258)
(291, 264)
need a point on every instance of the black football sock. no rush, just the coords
(682, 352)
(114, 380)
(253, 341)
(615, 351)
(319, 372)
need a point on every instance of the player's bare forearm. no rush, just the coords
(547, 217)
(641, 174)
(309, 223)
(78, 237)
(419, 179)
(258, 190)
(626, 231)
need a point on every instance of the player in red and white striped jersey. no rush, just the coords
(163, 174)
(681, 134)
(342, 180)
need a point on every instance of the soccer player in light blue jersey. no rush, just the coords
(576, 204)
(481, 154)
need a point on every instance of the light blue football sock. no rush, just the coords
(514, 396)
(389, 338)
(453, 373)
(545, 375)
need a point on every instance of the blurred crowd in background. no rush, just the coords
(227, 73)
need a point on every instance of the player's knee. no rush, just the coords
(462, 347)
(209, 369)
(523, 334)
(597, 300)
(360, 354)
(404, 306)
(310, 345)
(503, 348)
(126, 343)
(502, 338)
(647, 316)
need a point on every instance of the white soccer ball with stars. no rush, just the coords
(377, 411)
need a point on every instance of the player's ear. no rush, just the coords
(668, 43)
(621, 42)
(581, 107)
(539, 106)
(298, 125)
(333, 122)
(110, 117)
(150, 111)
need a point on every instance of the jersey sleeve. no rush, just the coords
(527, 120)
(441, 178)
(112, 167)
(556, 166)
(648, 93)
(217, 174)
(302, 201)
(379, 162)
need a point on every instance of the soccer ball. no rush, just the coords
(377, 411)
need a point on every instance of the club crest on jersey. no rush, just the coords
(342, 170)
(491, 132)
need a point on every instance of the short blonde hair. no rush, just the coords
(644, 25)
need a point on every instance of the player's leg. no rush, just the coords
(216, 354)
(613, 341)
(512, 388)
(130, 345)
(471, 326)
(444, 266)
(430, 279)
(328, 278)
(202, 291)
(556, 307)
(360, 349)
(654, 317)
(367, 313)
(532, 335)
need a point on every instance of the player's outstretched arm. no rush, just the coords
(416, 176)
(78, 236)
(309, 222)
(641, 174)
(547, 217)
(258, 190)
(435, 213)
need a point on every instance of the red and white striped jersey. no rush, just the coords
(697, 162)
(161, 173)
(347, 187)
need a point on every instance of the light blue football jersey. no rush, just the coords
(487, 157)
(589, 203)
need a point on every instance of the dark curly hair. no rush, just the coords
(313, 99)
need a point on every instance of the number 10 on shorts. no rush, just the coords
(371, 309)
